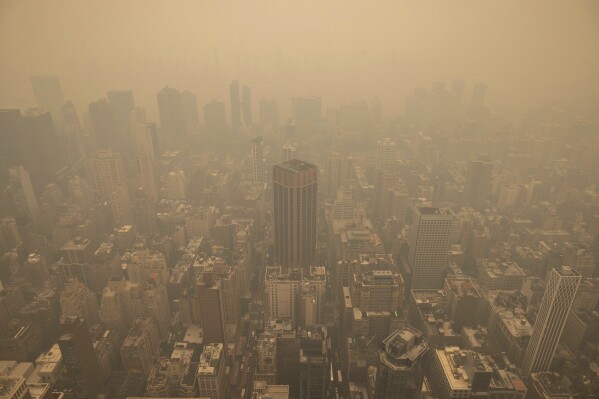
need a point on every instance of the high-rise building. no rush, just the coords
(478, 182)
(377, 291)
(156, 304)
(314, 364)
(48, 95)
(400, 372)
(210, 299)
(109, 175)
(21, 195)
(190, 111)
(557, 301)
(339, 171)
(211, 372)
(235, 106)
(69, 137)
(295, 193)
(215, 118)
(14, 387)
(429, 243)
(103, 120)
(77, 300)
(387, 156)
(282, 289)
(172, 115)
(247, 106)
(269, 113)
(79, 358)
(141, 347)
(257, 159)
(122, 105)
(144, 147)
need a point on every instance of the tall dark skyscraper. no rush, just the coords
(172, 115)
(235, 106)
(103, 120)
(81, 364)
(215, 118)
(478, 181)
(295, 193)
(400, 372)
(48, 96)
(247, 106)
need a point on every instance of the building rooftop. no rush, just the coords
(403, 347)
(549, 383)
(296, 166)
(210, 359)
(9, 385)
(426, 210)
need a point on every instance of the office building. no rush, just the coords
(172, 115)
(429, 244)
(400, 372)
(21, 195)
(282, 293)
(70, 136)
(339, 171)
(143, 142)
(547, 386)
(557, 302)
(141, 346)
(258, 169)
(477, 186)
(314, 363)
(122, 105)
(77, 300)
(211, 372)
(387, 154)
(48, 95)
(104, 125)
(109, 175)
(13, 387)
(190, 112)
(210, 301)
(82, 368)
(295, 195)
(377, 291)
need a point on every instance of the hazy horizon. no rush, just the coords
(528, 53)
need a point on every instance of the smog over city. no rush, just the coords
(299, 199)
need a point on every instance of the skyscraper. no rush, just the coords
(172, 115)
(190, 111)
(429, 243)
(103, 120)
(215, 118)
(257, 159)
(478, 181)
(21, 194)
(235, 106)
(109, 175)
(400, 372)
(144, 148)
(69, 138)
(247, 106)
(79, 358)
(387, 153)
(48, 95)
(295, 192)
(557, 301)
(210, 300)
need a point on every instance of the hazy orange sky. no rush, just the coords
(528, 52)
